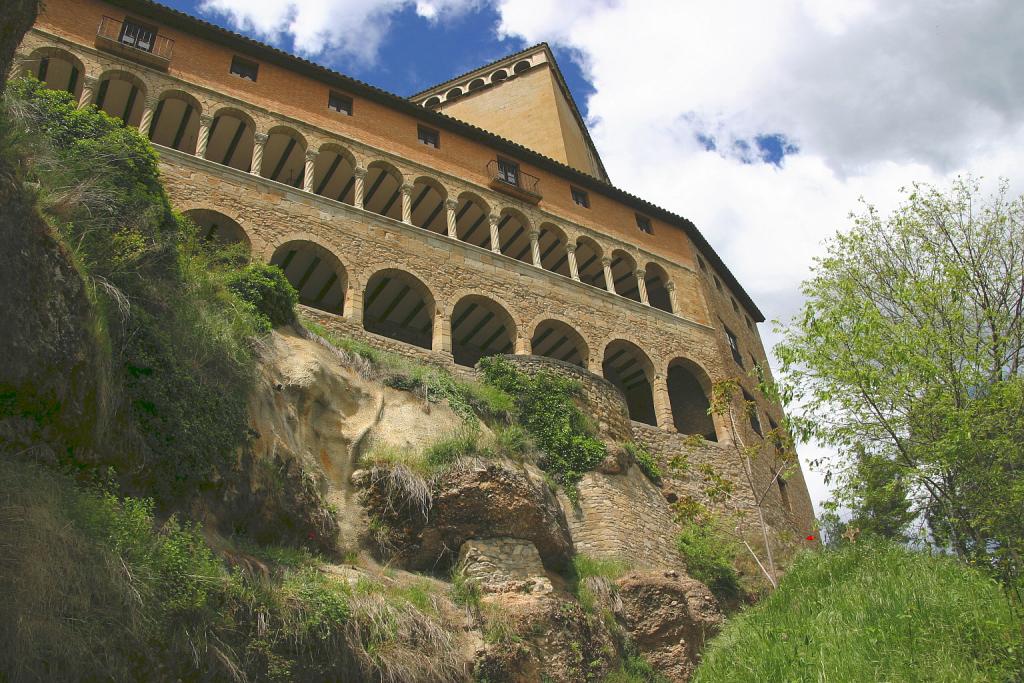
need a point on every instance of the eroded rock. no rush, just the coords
(669, 617)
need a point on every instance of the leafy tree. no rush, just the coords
(907, 358)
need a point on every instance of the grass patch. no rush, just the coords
(710, 556)
(872, 612)
(470, 400)
(635, 669)
(593, 582)
(645, 461)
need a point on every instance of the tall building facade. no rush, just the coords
(473, 218)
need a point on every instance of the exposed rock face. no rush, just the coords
(475, 501)
(548, 639)
(669, 617)
(311, 418)
(503, 565)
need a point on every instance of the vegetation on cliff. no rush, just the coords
(872, 612)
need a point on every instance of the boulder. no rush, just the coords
(669, 617)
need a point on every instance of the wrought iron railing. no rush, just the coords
(134, 38)
(508, 176)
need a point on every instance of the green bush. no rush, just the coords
(544, 406)
(645, 461)
(709, 555)
(872, 612)
(266, 287)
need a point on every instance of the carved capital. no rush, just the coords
(534, 235)
(359, 172)
(605, 262)
(205, 120)
(640, 273)
(451, 204)
(91, 82)
(571, 248)
(311, 155)
(494, 218)
(407, 190)
(260, 138)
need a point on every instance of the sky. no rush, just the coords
(763, 122)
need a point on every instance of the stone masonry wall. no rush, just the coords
(494, 561)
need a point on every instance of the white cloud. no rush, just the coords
(876, 94)
(348, 28)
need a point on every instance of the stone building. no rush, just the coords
(473, 218)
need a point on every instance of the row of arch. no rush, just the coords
(231, 137)
(458, 91)
(397, 304)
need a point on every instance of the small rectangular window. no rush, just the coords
(580, 197)
(429, 137)
(243, 68)
(784, 494)
(734, 346)
(750, 324)
(644, 223)
(508, 171)
(700, 262)
(751, 406)
(718, 283)
(137, 35)
(340, 103)
(735, 308)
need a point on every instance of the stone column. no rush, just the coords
(663, 404)
(147, 115)
(407, 203)
(258, 141)
(670, 287)
(609, 281)
(307, 174)
(205, 122)
(450, 205)
(535, 247)
(89, 84)
(360, 175)
(574, 269)
(495, 241)
(641, 285)
(354, 304)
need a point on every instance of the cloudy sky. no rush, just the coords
(763, 122)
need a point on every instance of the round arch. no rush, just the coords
(334, 173)
(624, 275)
(656, 280)
(231, 138)
(520, 67)
(480, 327)
(514, 234)
(556, 339)
(689, 391)
(499, 75)
(471, 220)
(121, 94)
(175, 121)
(453, 94)
(476, 84)
(382, 191)
(284, 156)
(216, 226)
(432, 102)
(553, 253)
(58, 69)
(398, 305)
(319, 276)
(630, 369)
(428, 198)
(588, 260)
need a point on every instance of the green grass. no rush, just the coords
(872, 613)
(593, 581)
(635, 669)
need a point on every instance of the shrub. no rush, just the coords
(266, 287)
(872, 612)
(645, 461)
(709, 555)
(593, 581)
(462, 444)
(544, 406)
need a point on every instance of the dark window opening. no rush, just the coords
(243, 68)
(340, 103)
(735, 308)
(700, 262)
(508, 171)
(784, 494)
(429, 137)
(580, 197)
(750, 324)
(137, 35)
(718, 283)
(751, 407)
(734, 346)
(644, 223)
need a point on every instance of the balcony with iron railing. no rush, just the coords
(507, 177)
(134, 41)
